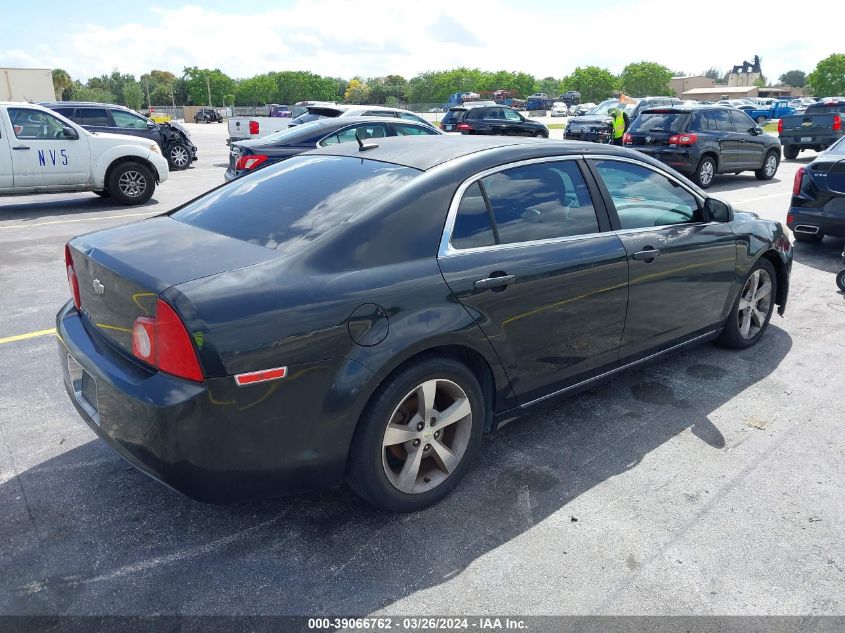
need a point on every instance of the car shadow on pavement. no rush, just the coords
(86, 533)
(734, 182)
(40, 208)
(825, 255)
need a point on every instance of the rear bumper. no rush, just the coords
(802, 220)
(600, 136)
(817, 141)
(212, 441)
(682, 160)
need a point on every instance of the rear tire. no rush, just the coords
(539, 135)
(389, 465)
(761, 119)
(753, 307)
(790, 152)
(770, 166)
(131, 183)
(705, 172)
(840, 279)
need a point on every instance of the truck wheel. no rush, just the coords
(770, 166)
(790, 152)
(761, 119)
(178, 156)
(704, 173)
(131, 183)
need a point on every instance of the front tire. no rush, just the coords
(840, 279)
(770, 166)
(131, 183)
(179, 156)
(761, 119)
(418, 436)
(752, 309)
(791, 152)
(705, 172)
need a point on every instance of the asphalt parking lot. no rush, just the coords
(710, 483)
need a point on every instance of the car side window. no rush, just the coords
(493, 113)
(741, 121)
(540, 201)
(364, 131)
(411, 117)
(128, 120)
(721, 121)
(380, 113)
(510, 115)
(35, 125)
(472, 223)
(645, 198)
(65, 112)
(403, 129)
(94, 116)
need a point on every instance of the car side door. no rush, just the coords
(528, 253)
(42, 156)
(681, 265)
(516, 125)
(6, 178)
(494, 121)
(94, 119)
(752, 146)
(730, 152)
(135, 125)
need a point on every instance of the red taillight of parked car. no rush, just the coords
(780, 126)
(796, 184)
(250, 161)
(463, 127)
(626, 139)
(72, 279)
(683, 140)
(837, 123)
(253, 127)
(163, 341)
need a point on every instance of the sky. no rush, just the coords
(347, 38)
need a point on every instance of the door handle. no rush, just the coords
(491, 283)
(647, 255)
(20, 147)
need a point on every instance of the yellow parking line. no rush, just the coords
(23, 337)
(96, 217)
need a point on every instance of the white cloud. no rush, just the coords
(341, 38)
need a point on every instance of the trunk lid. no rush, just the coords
(122, 271)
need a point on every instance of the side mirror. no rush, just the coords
(756, 130)
(69, 133)
(717, 211)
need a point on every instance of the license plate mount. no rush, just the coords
(806, 139)
(84, 387)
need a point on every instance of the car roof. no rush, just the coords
(426, 152)
(77, 104)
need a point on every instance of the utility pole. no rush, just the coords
(149, 103)
(208, 85)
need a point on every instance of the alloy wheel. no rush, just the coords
(132, 183)
(179, 156)
(754, 304)
(426, 436)
(771, 165)
(705, 174)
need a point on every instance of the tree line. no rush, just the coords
(197, 85)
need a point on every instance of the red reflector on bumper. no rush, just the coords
(260, 376)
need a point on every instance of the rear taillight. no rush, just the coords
(626, 139)
(463, 127)
(796, 184)
(253, 127)
(683, 140)
(837, 123)
(780, 126)
(72, 280)
(163, 341)
(250, 161)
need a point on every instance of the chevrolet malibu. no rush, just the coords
(368, 312)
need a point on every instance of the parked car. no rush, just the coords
(208, 115)
(818, 196)
(801, 104)
(280, 111)
(43, 152)
(491, 120)
(582, 108)
(247, 156)
(173, 139)
(776, 110)
(702, 141)
(313, 113)
(818, 128)
(560, 109)
(340, 315)
(596, 125)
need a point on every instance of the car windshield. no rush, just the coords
(292, 134)
(660, 122)
(287, 206)
(605, 106)
(838, 147)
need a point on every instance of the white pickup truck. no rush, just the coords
(43, 152)
(247, 127)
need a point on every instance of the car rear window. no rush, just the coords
(454, 116)
(289, 205)
(660, 122)
(826, 108)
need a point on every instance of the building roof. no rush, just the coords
(725, 90)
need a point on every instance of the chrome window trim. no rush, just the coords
(447, 250)
(343, 129)
(625, 159)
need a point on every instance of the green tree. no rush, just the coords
(828, 78)
(387, 87)
(160, 85)
(712, 73)
(97, 95)
(645, 78)
(595, 84)
(61, 82)
(133, 95)
(356, 92)
(198, 81)
(794, 78)
(257, 90)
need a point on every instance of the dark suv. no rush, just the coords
(491, 120)
(702, 141)
(173, 139)
(208, 115)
